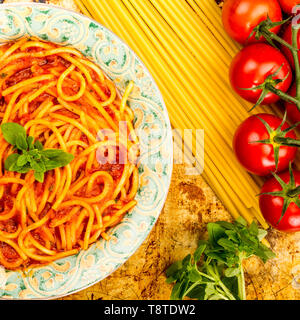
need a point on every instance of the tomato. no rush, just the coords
(252, 65)
(288, 5)
(240, 17)
(272, 206)
(287, 36)
(258, 158)
(292, 111)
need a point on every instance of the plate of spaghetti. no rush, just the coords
(86, 152)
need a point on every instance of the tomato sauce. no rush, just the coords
(6, 202)
(19, 76)
(9, 226)
(8, 252)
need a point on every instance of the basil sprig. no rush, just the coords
(31, 154)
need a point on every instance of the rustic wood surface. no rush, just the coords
(190, 205)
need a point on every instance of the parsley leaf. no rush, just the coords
(215, 271)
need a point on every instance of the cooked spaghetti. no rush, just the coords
(65, 102)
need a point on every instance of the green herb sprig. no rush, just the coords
(31, 154)
(215, 270)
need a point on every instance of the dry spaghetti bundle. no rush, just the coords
(64, 103)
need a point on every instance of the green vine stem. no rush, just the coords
(284, 96)
(266, 33)
(296, 59)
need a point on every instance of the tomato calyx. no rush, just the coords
(278, 137)
(290, 192)
(263, 30)
(269, 85)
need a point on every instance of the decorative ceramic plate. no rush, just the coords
(121, 64)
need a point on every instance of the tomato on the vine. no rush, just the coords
(279, 201)
(257, 146)
(288, 5)
(240, 17)
(253, 65)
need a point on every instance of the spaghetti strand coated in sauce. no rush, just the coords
(66, 102)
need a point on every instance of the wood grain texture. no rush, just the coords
(190, 205)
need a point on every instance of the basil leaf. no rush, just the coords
(11, 131)
(14, 167)
(38, 145)
(30, 141)
(21, 142)
(52, 153)
(37, 165)
(22, 160)
(12, 159)
(23, 169)
(50, 165)
(32, 155)
(59, 161)
(39, 176)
